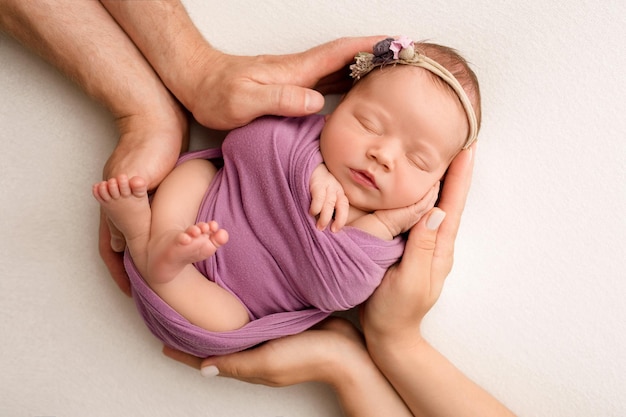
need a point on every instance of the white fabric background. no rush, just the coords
(533, 309)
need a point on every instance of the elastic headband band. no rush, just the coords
(402, 51)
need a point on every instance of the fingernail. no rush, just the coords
(313, 102)
(209, 371)
(435, 219)
(118, 244)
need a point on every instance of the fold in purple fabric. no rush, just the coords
(288, 274)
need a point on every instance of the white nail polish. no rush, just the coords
(209, 371)
(435, 219)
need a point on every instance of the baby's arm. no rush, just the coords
(327, 197)
(387, 224)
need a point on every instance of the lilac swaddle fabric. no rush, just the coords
(288, 274)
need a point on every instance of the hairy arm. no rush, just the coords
(169, 40)
(225, 91)
(82, 40)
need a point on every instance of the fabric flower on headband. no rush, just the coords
(403, 48)
(391, 49)
(388, 51)
(402, 51)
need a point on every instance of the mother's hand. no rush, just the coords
(412, 287)
(332, 352)
(313, 355)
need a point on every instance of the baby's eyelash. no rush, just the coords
(369, 126)
(417, 162)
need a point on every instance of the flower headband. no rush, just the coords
(402, 51)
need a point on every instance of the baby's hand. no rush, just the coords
(402, 219)
(327, 197)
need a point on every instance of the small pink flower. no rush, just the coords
(399, 44)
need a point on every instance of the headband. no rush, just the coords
(402, 51)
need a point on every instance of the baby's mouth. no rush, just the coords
(364, 178)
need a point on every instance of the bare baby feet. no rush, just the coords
(125, 202)
(172, 252)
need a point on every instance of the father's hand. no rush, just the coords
(233, 90)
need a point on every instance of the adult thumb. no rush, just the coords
(420, 247)
(288, 100)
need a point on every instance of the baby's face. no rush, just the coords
(392, 137)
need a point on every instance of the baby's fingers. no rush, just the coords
(326, 214)
(342, 208)
(428, 201)
(317, 202)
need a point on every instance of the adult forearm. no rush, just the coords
(431, 385)
(169, 40)
(84, 42)
(363, 391)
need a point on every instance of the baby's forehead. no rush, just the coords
(401, 79)
(399, 71)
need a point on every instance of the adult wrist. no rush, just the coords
(189, 82)
(169, 40)
(393, 346)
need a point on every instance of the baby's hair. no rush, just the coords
(451, 60)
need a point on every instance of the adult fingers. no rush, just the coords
(182, 357)
(328, 64)
(114, 261)
(415, 269)
(282, 91)
(243, 366)
(338, 82)
(454, 195)
(282, 100)
(240, 365)
(327, 58)
(312, 355)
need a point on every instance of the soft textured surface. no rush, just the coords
(287, 274)
(534, 309)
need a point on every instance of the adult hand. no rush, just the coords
(428, 383)
(225, 91)
(149, 146)
(333, 352)
(410, 288)
(233, 90)
(313, 355)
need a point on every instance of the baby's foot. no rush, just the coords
(171, 254)
(126, 204)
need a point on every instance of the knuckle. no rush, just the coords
(285, 99)
(426, 244)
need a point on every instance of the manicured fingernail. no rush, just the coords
(209, 371)
(435, 219)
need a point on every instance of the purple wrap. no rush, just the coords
(288, 274)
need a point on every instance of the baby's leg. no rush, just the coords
(170, 252)
(174, 245)
(126, 204)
